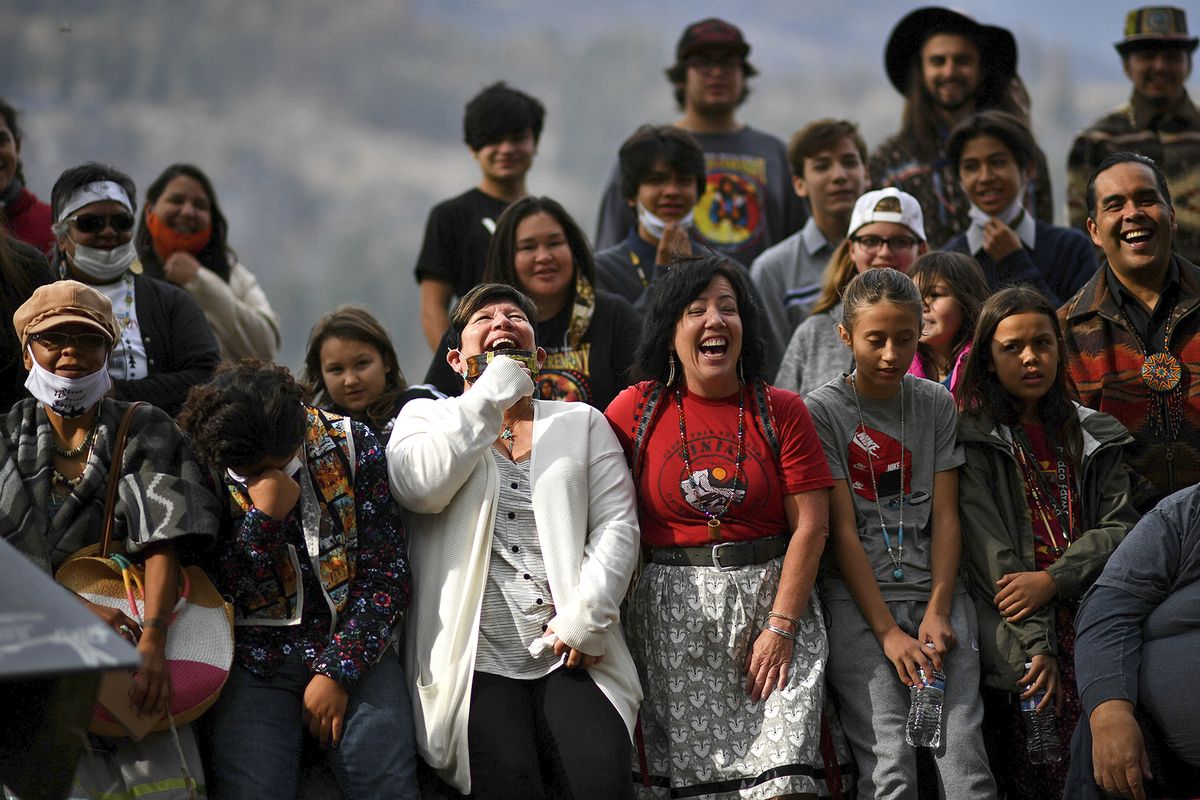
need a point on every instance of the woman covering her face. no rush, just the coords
(524, 685)
(164, 345)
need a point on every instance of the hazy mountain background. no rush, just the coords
(330, 128)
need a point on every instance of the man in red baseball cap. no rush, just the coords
(747, 203)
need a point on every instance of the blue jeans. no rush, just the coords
(256, 730)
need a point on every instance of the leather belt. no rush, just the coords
(723, 555)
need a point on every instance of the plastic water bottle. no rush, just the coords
(1041, 729)
(924, 727)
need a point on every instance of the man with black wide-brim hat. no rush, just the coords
(948, 66)
(1159, 121)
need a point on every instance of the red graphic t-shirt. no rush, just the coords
(670, 505)
(872, 448)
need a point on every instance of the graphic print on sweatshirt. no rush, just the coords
(730, 215)
(891, 461)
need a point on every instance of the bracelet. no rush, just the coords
(792, 620)
(155, 622)
(778, 631)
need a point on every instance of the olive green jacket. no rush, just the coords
(997, 533)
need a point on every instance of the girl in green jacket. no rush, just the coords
(1044, 500)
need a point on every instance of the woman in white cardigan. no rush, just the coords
(523, 537)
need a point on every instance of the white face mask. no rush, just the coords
(105, 266)
(655, 226)
(290, 469)
(67, 397)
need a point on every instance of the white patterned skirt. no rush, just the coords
(690, 630)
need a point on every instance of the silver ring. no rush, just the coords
(125, 630)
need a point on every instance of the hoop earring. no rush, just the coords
(741, 375)
(670, 369)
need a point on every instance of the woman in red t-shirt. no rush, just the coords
(1045, 499)
(733, 506)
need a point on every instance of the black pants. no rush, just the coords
(553, 737)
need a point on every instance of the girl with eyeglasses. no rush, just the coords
(165, 345)
(182, 239)
(887, 229)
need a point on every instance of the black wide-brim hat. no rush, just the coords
(997, 47)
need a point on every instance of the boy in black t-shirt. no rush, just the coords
(501, 127)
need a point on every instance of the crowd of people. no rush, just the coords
(695, 509)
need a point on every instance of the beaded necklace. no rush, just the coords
(714, 520)
(1043, 497)
(896, 554)
(82, 446)
(125, 317)
(1160, 371)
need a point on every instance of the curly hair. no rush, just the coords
(249, 411)
(671, 294)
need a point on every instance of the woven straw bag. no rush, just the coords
(200, 637)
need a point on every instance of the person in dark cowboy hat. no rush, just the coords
(1159, 121)
(948, 66)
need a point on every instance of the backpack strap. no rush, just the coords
(766, 418)
(643, 415)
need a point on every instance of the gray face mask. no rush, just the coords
(104, 266)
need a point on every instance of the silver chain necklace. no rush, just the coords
(895, 554)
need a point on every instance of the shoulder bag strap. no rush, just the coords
(114, 476)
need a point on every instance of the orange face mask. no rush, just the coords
(168, 241)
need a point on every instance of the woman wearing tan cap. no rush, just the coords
(55, 454)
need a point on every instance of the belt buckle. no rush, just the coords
(716, 557)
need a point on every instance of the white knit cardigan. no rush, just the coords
(584, 507)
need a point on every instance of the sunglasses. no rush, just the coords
(57, 340)
(95, 223)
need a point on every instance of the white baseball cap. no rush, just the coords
(888, 205)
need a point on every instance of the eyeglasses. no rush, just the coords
(894, 243)
(57, 340)
(95, 223)
(703, 62)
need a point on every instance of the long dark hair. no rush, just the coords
(502, 252)
(967, 284)
(216, 255)
(357, 325)
(980, 393)
(670, 295)
(919, 120)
